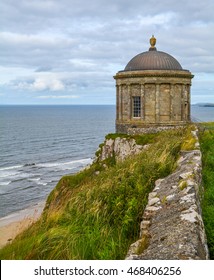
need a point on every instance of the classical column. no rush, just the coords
(189, 102)
(120, 102)
(171, 101)
(184, 112)
(157, 103)
(183, 117)
(117, 102)
(142, 94)
(129, 105)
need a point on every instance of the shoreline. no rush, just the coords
(15, 223)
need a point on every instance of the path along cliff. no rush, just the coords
(172, 225)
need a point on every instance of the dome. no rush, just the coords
(153, 60)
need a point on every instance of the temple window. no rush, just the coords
(136, 106)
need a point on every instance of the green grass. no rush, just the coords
(89, 216)
(189, 141)
(207, 148)
(140, 139)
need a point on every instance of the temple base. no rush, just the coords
(131, 129)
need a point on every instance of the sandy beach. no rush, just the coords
(13, 224)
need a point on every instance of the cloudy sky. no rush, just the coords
(67, 51)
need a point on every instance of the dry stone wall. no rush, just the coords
(172, 225)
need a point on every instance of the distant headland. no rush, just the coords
(204, 104)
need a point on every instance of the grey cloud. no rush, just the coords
(29, 16)
(85, 42)
(44, 69)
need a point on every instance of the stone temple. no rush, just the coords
(153, 93)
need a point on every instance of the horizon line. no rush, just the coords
(31, 104)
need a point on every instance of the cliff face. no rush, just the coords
(172, 225)
(120, 148)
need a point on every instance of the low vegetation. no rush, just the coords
(207, 148)
(96, 215)
(140, 139)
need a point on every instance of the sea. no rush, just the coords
(39, 144)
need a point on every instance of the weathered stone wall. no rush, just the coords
(151, 129)
(172, 226)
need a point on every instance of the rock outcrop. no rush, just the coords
(120, 148)
(172, 225)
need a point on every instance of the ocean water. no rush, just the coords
(40, 144)
(202, 114)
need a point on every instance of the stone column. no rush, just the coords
(120, 102)
(183, 115)
(142, 94)
(129, 102)
(171, 101)
(186, 102)
(157, 103)
(189, 102)
(117, 102)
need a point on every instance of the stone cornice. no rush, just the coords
(154, 73)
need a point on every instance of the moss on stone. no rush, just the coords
(143, 245)
(182, 184)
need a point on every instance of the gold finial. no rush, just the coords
(152, 41)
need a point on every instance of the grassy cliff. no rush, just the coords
(207, 149)
(96, 215)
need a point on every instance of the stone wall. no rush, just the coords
(135, 130)
(172, 225)
(150, 129)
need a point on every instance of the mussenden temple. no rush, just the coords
(153, 93)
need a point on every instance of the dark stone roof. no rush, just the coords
(153, 60)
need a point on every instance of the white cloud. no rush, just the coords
(43, 84)
(40, 84)
(82, 63)
(159, 19)
(58, 96)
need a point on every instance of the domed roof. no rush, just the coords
(153, 60)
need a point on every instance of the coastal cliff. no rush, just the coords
(138, 188)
